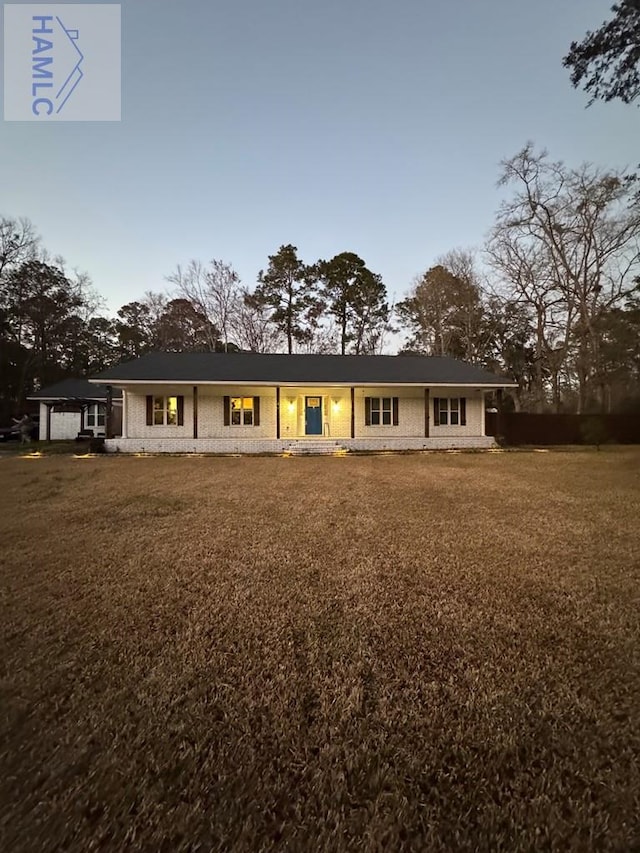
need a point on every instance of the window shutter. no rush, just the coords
(463, 411)
(394, 403)
(436, 411)
(227, 411)
(256, 411)
(367, 411)
(180, 411)
(149, 410)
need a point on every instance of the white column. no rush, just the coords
(124, 413)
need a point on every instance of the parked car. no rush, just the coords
(12, 432)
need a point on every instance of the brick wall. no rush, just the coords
(336, 406)
(475, 413)
(217, 445)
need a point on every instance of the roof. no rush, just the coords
(269, 369)
(73, 389)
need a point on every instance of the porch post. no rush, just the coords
(353, 412)
(426, 413)
(278, 411)
(109, 414)
(499, 414)
(124, 413)
(195, 411)
(48, 436)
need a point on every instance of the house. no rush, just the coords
(72, 405)
(254, 403)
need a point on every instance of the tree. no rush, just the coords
(214, 292)
(568, 244)
(287, 289)
(510, 351)
(40, 312)
(436, 313)
(134, 330)
(182, 328)
(619, 331)
(607, 62)
(18, 243)
(254, 330)
(473, 330)
(357, 298)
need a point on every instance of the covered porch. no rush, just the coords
(311, 413)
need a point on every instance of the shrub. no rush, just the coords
(594, 431)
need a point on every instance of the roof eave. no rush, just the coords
(306, 384)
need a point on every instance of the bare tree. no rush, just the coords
(462, 264)
(213, 291)
(568, 242)
(254, 329)
(18, 243)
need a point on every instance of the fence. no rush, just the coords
(528, 428)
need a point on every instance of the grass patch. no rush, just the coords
(426, 652)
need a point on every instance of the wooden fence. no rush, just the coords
(527, 428)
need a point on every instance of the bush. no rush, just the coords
(594, 431)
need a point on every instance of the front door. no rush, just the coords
(313, 415)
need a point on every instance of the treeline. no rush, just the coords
(552, 301)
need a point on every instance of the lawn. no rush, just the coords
(380, 653)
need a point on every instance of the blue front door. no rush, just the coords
(313, 415)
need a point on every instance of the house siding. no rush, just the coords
(410, 413)
(136, 415)
(214, 436)
(211, 413)
(64, 425)
(475, 413)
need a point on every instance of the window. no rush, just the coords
(96, 416)
(165, 411)
(450, 411)
(381, 411)
(242, 411)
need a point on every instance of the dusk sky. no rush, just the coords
(368, 126)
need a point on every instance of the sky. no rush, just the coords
(369, 126)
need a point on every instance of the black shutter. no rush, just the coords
(227, 411)
(180, 410)
(394, 403)
(149, 410)
(367, 411)
(436, 411)
(463, 411)
(256, 411)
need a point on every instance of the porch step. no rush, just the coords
(315, 447)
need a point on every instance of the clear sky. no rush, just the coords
(372, 126)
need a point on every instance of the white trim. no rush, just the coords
(124, 414)
(279, 383)
(116, 402)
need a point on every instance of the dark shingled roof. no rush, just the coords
(74, 389)
(248, 368)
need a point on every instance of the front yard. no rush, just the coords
(420, 652)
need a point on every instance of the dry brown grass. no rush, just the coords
(431, 652)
